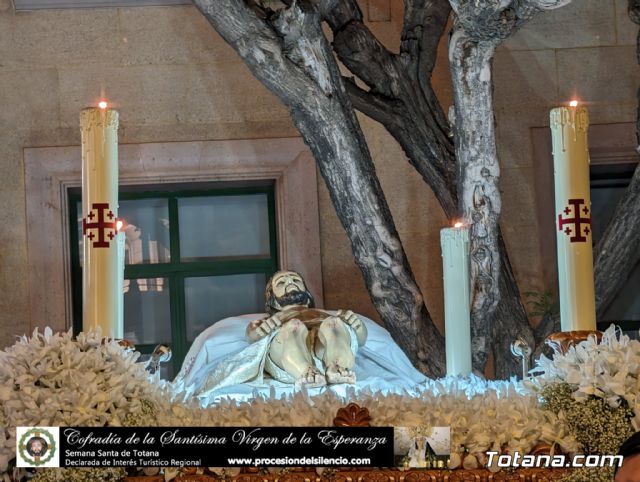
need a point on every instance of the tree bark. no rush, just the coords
(285, 53)
(288, 53)
(618, 251)
(400, 95)
(479, 27)
(479, 173)
(401, 98)
(509, 321)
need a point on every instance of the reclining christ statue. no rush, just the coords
(294, 344)
(305, 342)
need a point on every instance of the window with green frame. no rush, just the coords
(195, 254)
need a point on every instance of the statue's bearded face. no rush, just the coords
(287, 288)
(286, 283)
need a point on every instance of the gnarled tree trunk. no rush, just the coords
(479, 173)
(287, 51)
(618, 251)
(479, 27)
(401, 97)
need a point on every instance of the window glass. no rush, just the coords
(146, 230)
(211, 298)
(147, 314)
(224, 227)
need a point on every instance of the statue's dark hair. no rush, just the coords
(297, 298)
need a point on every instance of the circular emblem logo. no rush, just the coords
(37, 446)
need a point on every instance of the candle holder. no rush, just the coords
(561, 342)
(521, 349)
(161, 354)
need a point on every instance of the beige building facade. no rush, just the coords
(174, 80)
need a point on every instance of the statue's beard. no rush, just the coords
(295, 298)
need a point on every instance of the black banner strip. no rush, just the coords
(226, 446)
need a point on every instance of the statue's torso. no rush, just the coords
(311, 317)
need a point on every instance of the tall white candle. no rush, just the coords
(457, 299)
(569, 127)
(99, 129)
(120, 288)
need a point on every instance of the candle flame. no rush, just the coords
(573, 103)
(103, 104)
(458, 225)
(119, 225)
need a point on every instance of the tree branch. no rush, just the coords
(424, 25)
(289, 53)
(497, 20)
(376, 106)
(428, 146)
(618, 252)
(633, 8)
(257, 41)
(416, 120)
(361, 51)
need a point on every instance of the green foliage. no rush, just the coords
(597, 426)
(543, 303)
(600, 474)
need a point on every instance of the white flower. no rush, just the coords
(607, 370)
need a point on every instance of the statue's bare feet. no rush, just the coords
(338, 374)
(311, 378)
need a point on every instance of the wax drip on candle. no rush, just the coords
(574, 104)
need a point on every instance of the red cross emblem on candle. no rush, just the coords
(577, 227)
(105, 225)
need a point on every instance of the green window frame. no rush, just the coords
(176, 270)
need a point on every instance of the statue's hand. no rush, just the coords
(350, 318)
(354, 321)
(258, 329)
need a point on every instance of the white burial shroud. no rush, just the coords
(381, 366)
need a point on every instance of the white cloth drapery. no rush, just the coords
(223, 350)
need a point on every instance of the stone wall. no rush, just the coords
(174, 79)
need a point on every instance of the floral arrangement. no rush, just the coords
(594, 388)
(56, 380)
(608, 370)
